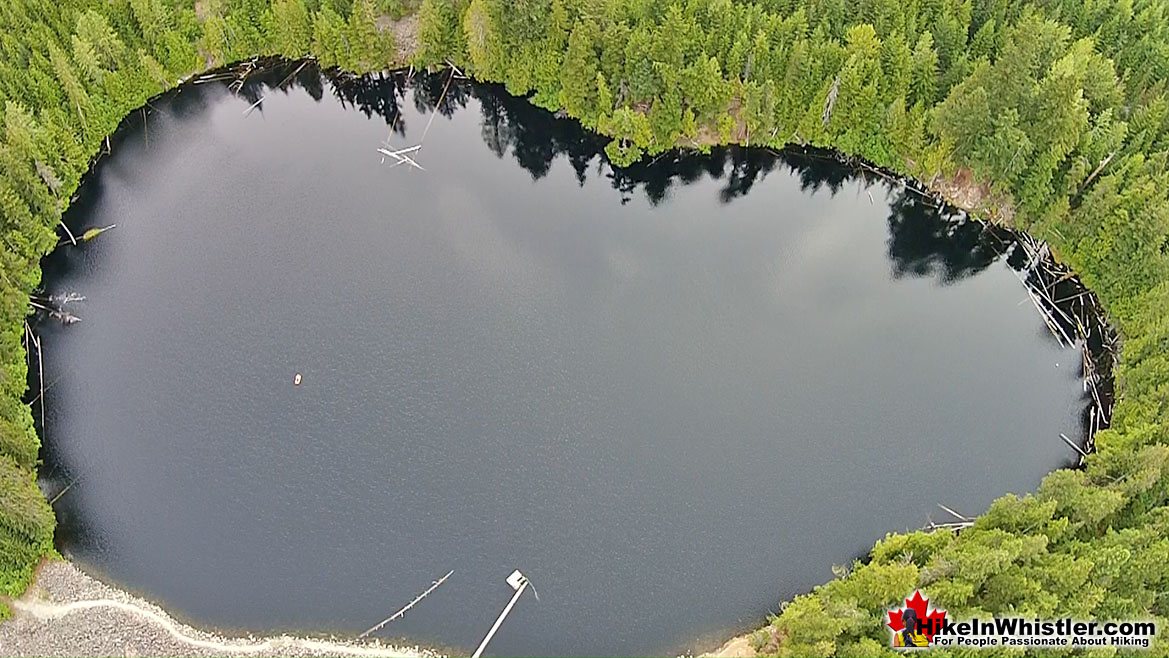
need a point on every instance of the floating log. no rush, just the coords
(952, 525)
(953, 513)
(456, 69)
(242, 72)
(401, 157)
(437, 106)
(65, 226)
(94, 232)
(63, 298)
(253, 106)
(399, 613)
(213, 77)
(64, 317)
(399, 152)
(63, 491)
(293, 74)
(1071, 443)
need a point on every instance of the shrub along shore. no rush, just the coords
(1050, 116)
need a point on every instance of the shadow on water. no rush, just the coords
(925, 239)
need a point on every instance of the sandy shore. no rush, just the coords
(736, 647)
(68, 613)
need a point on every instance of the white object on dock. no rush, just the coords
(519, 582)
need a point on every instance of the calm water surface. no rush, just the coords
(673, 395)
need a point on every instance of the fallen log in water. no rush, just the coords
(64, 317)
(402, 611)
(1083, 453)
(401, 157)
(94, 232)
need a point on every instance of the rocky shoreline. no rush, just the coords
(69, 613)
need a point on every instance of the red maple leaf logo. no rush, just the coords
(931, 620)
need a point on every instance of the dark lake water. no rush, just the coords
(673, 395)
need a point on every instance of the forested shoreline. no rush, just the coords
(1052, 116)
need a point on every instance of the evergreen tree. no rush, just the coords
(438, 33)
(924, 83)
(151, 19)
(369, 47)
(483, 45)
(95, 30)
(604, 99)
(74, 91)
(330, 41)
(249, 22)
(215, 41)
(578, 88)
(291, 27)
(87, 60)
(630, 129)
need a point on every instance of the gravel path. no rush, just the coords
(67, 613)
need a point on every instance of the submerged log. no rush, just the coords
(64, 317)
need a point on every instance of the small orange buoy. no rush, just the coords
(296, 380)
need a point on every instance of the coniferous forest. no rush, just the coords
(1050, 116)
